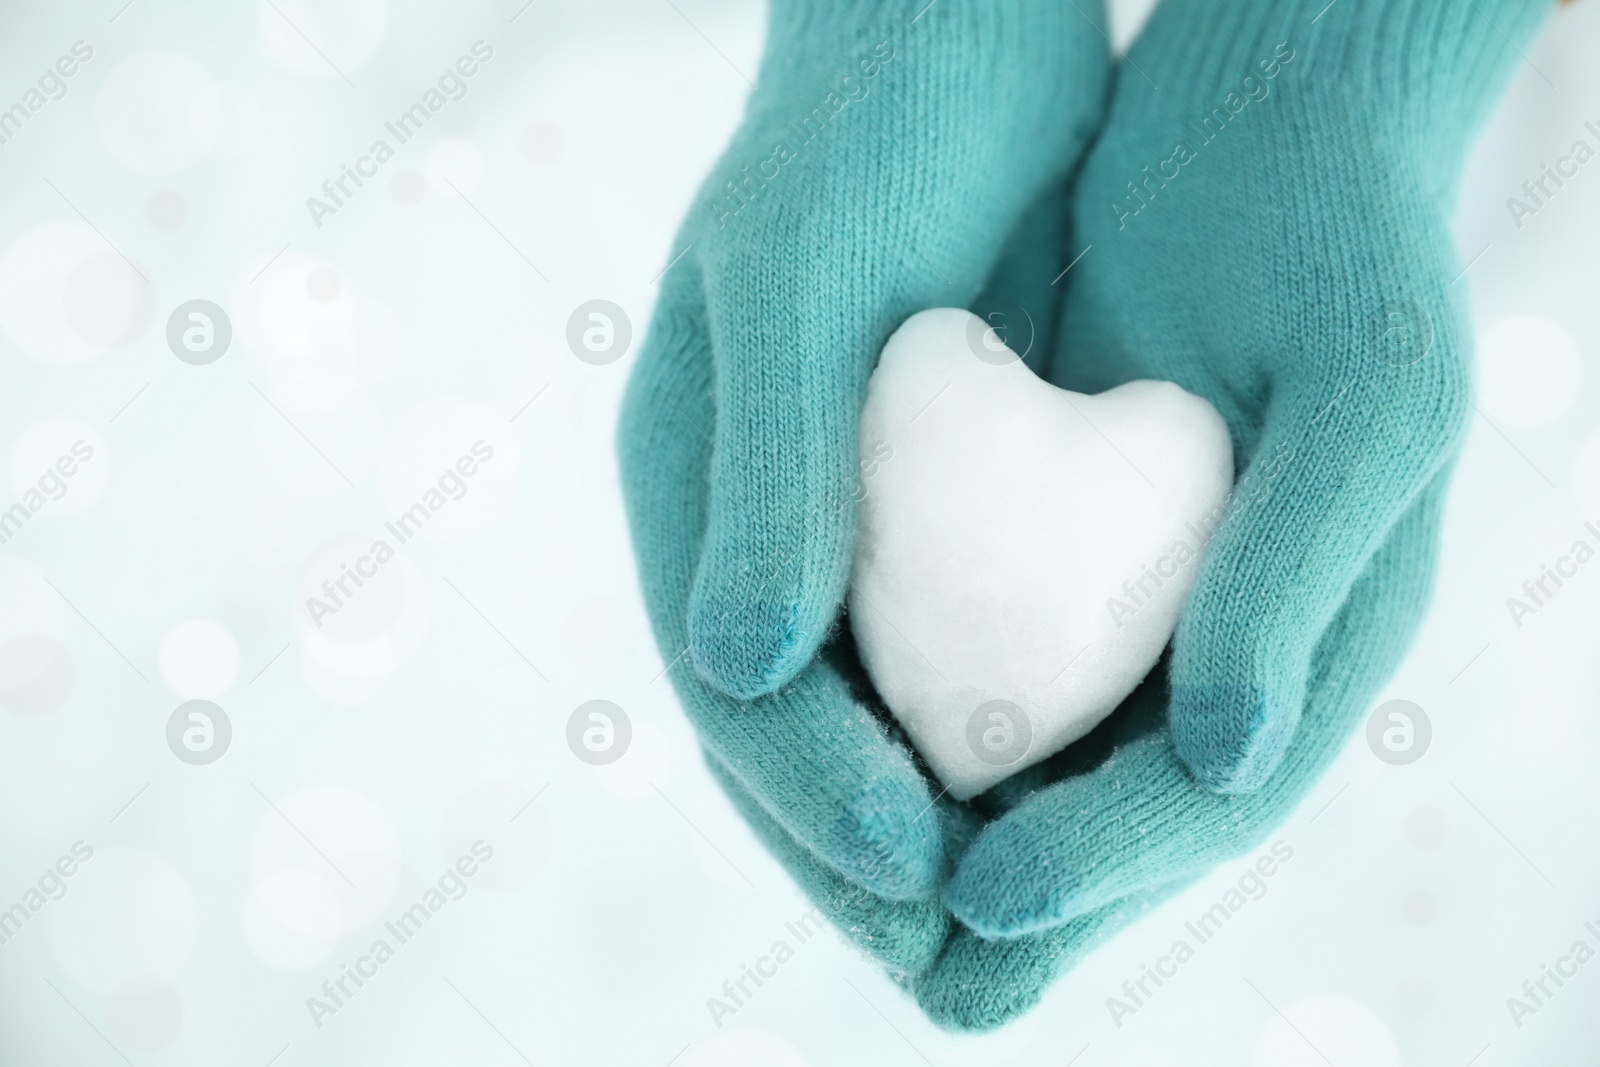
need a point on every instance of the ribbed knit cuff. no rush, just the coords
(1030, 74)
(1429, 70)
(794, 22)
(1010, 35)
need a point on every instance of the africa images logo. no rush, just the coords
(452, 85)
(1255, 89)
(52, 485)
(51, 86)
(736, 194)
(337, 589)
(451, 885)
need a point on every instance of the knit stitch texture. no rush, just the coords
(1293, 267)
(1269, 230)
(880, 166)
(887, 151)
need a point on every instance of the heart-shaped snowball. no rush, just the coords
(1024, 551)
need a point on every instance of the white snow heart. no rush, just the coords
(1024, 551)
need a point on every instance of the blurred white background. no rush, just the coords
(429, 313)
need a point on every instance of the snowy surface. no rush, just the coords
(429, 313)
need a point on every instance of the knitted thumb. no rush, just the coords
(888, 151)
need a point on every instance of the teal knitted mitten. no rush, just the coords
(904, 936)
(1077, 860)
(1269, 230)
(813, 756)
(887, 152)
(977, 985)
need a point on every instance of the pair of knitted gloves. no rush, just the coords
(1254, 204)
